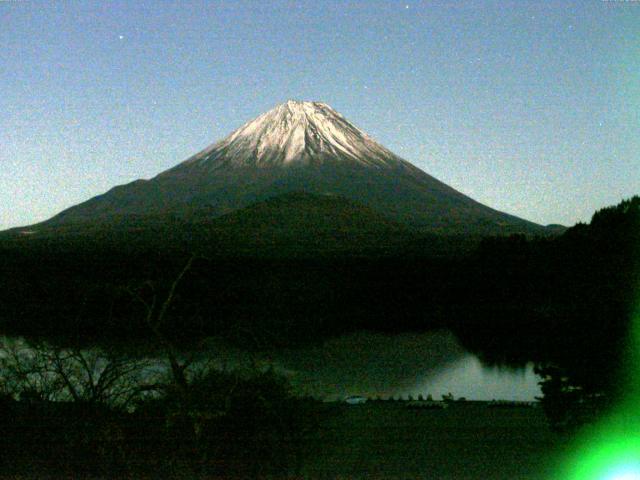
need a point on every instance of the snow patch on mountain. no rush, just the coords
(296, 132)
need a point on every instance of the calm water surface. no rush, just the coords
(376, 365)
(393, 366)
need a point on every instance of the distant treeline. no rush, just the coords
(566, 299)
(97, 293)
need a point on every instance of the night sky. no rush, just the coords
(532, 108)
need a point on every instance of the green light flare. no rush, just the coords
(610, 450)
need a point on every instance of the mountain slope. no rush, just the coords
(302, 221)
(300, 146)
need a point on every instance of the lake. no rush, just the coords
(377, 365)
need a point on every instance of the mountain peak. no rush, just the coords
(303, 106)
(293, 103)
(295, 132)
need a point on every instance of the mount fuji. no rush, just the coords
(297, 147)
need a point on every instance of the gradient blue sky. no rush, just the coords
(532, 108)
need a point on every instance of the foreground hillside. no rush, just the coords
(293, 224)
(285, 439)
(464, 441)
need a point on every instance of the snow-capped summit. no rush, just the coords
(294, 132)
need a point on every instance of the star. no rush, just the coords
(121, 37)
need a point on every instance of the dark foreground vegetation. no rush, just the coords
(375, 440)
(78, 414)
(468, 440)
